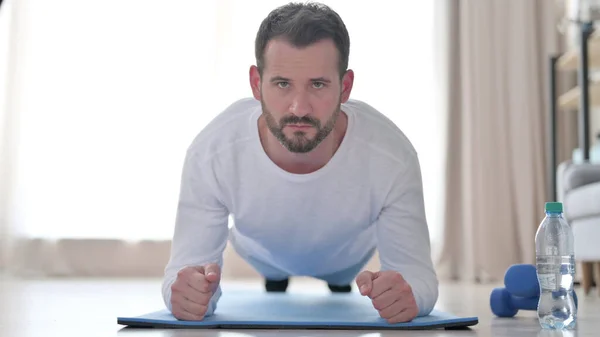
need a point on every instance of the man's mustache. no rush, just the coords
(300, 120)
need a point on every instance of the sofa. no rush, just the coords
(578, 188)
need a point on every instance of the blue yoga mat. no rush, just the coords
(261, 310)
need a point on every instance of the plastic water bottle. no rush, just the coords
(555, 263)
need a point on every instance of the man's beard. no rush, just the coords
(300, 142)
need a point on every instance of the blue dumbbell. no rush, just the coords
(522, 291)
(521, 280)
(504, 304)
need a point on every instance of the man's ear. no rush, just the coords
(255, 82)
(347, 82)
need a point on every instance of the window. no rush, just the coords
(108, 95)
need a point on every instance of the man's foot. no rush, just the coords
(277, 286)
(339, 289)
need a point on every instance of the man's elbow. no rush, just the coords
(427, 293)
(166, 291)
(430, 301)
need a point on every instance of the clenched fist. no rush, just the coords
(192, 290)
(390, 294)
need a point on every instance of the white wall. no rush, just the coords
(5, 24)
(4, 40)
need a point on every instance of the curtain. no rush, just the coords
(103, 99)
(496, 98)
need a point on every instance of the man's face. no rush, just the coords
(301, 93)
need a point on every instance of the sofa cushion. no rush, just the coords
(586, 249)
(583, 201)
(576, 175)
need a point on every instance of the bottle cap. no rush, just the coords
(554, 207)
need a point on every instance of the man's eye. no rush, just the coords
(318, 85)
(282, 84)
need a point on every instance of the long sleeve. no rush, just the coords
(403, 236)
(201, 227)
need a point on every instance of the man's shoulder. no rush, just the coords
(229, 127)
(378, 133)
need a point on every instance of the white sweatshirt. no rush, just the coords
(369, 195)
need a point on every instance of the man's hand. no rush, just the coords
(192, 290)
(390, 294)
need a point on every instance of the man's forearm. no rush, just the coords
(403, 236)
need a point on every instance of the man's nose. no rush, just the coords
(300, 105)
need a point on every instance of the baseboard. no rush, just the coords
(112, 258)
